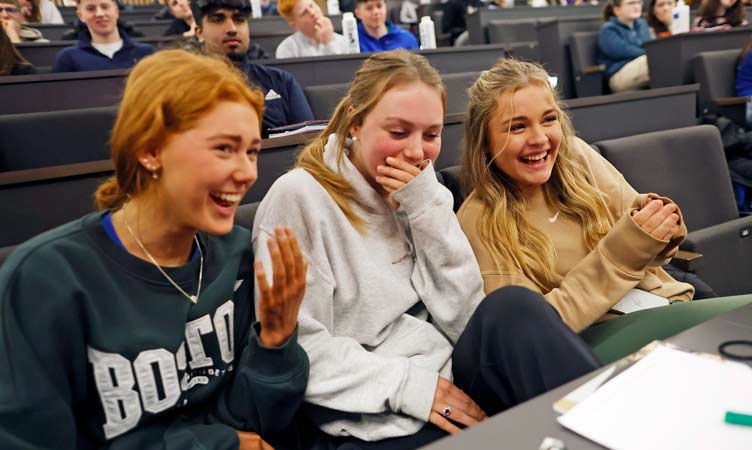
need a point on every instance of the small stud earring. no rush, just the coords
(355, 139)
(154, 175)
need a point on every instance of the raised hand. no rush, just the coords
(279, 304)
(451, 404)
(12, 29)
(396, 174)
(657, 219)
(252, 441)
(324, 30)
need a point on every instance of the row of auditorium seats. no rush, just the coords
(716, 73)
(677, 55)
(55, 92)
(25, 194)
(715, 229)
(81, 135)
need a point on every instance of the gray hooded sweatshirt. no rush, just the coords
(383, 307)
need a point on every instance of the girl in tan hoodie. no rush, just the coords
(549, 213)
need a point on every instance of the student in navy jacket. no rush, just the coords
(376, 34)
(104, 45)
(620, 45)
(222, 28)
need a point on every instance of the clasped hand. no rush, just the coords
(279, 303)
(659, 220)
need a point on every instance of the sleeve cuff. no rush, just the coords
(629, 246)
(418, 392)
(274, 361)
(422, 192)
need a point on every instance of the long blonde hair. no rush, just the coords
(378, 74)
(503, 227)
(165, 94)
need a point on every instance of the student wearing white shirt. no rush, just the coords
(314, 33)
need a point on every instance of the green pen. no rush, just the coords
(736, 418)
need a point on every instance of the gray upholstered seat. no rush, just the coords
(688, 165)
(716, 73)
(588, 74)
(30, 141)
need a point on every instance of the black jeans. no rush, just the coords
(514, 347)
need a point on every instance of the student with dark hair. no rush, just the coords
(11, 61)
(717, 15)
(41, 11)
(376, 33)
(620, 45)
(135, 327)
(103, 45)
(222, 28)
(404, 345)
(183, 23)
(659, 18)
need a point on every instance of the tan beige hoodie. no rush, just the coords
(588, 282)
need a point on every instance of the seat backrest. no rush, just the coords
(456, 85)
(324, 98)
(450, 177)
(583, 46)
(716, 73)
(34, 140)
(245, 214)
(505, 31)
(687, 165)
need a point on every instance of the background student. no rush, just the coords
(385, 254)
(134, 327)
(222, 28)
(103, 45)
(620, 42)
(41, 11)
(12, 21)
(659, 18)
(375, 33)
(314, 33)
(717, 15)
(547, 212)
(183, 23)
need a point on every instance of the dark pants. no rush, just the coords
(514, 347)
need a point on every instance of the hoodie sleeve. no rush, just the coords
(446, 275)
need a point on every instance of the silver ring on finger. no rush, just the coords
(447, 411)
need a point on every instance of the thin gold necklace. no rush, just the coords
(192, 298)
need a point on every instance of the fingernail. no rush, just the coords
(389, 159)
(380, 168)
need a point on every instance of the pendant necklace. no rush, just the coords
(192, 298)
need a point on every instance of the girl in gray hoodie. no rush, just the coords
(394, 319)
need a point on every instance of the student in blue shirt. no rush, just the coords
(103, 46)
(376, 34)
(620, 45)
(222, 26)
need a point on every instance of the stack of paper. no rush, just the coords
(670, 399)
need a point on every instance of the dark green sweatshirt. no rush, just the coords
(98, 349)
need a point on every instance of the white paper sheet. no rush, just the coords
(636, 300)
(668, 400)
